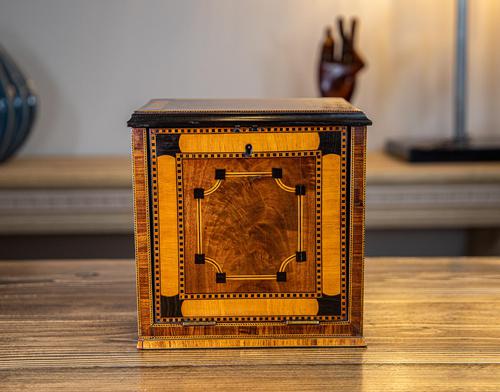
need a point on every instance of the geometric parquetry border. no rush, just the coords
(344, 239)
(317, 292)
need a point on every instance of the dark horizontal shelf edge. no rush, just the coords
(198, 120)
(416, 153)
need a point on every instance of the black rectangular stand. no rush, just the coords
(434, 150)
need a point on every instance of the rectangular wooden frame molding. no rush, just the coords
(249, 222)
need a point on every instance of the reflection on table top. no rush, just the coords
(430, 324)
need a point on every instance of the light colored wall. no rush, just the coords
(95, 61)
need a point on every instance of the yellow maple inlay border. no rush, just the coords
(249, 307)
(330, 220)
(167, 215)
(260, 142)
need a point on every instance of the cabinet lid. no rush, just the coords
(159, 113)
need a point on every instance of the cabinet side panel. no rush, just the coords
(358, 140)
(141, 229)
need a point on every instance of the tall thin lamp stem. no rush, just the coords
(460, 131)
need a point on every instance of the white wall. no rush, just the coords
(95, 61)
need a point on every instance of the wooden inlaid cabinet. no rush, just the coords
(249, 222)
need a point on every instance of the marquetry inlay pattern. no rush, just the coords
(249, 223)
(281, 186)
(212, 263)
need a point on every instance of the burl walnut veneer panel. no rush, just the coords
(253, 225)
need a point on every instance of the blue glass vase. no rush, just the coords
(18, 106)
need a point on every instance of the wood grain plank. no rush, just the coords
(263, 378)
(429, 323)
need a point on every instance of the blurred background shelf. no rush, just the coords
(52, 207)
(76, 195)
(401, 195)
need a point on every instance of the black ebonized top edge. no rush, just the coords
(265, 112)
(229, 120)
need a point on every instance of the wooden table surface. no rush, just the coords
(430, 325)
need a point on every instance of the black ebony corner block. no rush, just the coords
(300, 190)
(167, 144)
(199, 258)
(199, 193)
(170, 306)
(330, 143)
(220, 277)
(277, 172)
(281, 276)
(329, 305)
(473, 150)
(300, 256)
(220, 174)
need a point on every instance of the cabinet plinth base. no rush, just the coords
(251, 342)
